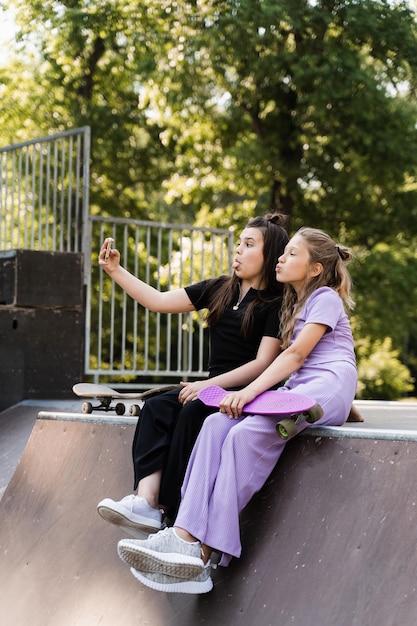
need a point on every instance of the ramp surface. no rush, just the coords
(329, 541)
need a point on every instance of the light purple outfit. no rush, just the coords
(232, 459)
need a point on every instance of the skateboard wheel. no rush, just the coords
(134, 409)
(286, 429)
(119, 408)
(87, 407)
(314, 414)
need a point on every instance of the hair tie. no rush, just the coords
(278, 219)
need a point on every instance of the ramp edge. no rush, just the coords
(122, 420)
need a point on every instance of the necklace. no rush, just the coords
(240, 298)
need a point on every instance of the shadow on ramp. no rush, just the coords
(329, 541)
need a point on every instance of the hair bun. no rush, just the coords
(278, 219)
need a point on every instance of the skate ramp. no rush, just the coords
(329, 541)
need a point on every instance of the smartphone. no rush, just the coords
(110, 242)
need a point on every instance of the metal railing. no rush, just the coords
(44, 192)
(125, 340)
(44, 205)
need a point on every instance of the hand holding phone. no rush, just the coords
(110, 242)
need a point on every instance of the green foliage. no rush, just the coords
(238, 106)
(384, 322)
(385, 287)
(381, 374)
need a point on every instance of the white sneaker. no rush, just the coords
(133, 514)
(201, 583)
(164, 553)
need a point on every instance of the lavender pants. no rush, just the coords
(232, 459)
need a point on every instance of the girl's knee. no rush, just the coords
(214, 420)
(217, 425)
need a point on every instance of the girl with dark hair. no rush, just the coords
(243, 319)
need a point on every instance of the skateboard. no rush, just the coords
(106, 395)
(296, 407)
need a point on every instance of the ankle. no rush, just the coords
(150, 500)
(205, 555)
(184, 535)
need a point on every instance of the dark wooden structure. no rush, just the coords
(42, 314)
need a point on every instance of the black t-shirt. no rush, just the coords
(229, 348)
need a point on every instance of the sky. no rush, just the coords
(7, 30)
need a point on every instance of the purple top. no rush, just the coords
(325, 306)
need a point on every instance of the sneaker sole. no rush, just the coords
(171, 564)
(177, 586)
(137, 529)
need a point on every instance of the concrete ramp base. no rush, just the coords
(329, 541)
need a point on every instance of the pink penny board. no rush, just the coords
(267, 403)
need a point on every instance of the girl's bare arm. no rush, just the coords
(289, 361)
(175, 301)
(269, 348)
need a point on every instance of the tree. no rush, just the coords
(91, 61)
(321, 109)
(307, 107)
(385, 284)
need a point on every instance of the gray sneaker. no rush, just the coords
(133, 514)
(170, 584)
(164, 553)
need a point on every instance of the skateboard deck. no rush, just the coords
(296, 407)
(106, 395)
